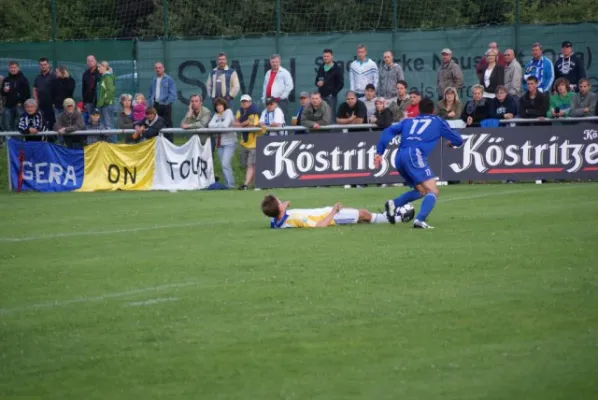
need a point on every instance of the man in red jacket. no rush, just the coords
(481, 67)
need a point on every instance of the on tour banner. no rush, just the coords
(565, 152)
(155, 164)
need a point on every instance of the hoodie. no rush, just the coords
(508, 106)
(570, 68)
(106, 90)
(18, 89)
(62, 88)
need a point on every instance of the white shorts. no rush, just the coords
(347, 216)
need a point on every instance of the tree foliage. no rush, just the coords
(31, 20)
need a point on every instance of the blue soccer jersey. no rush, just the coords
(419, 136)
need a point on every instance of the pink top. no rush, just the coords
(138, 111)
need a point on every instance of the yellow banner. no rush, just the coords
(119, 166)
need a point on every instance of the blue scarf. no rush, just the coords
(535, 68)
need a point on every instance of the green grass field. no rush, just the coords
(191, 296)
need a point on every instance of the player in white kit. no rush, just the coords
(281, 216)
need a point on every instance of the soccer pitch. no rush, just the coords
(191, 296)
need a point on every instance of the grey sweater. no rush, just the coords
(579, 102)
(388, 78)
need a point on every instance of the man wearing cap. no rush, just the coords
(70, 121)
(540, 67)
(273, 116)
(317, 113)
(248, 117)
(278, 84)
(95, 125)
(413, 108)
(369, 100)
(449, 73)
(303, 102)
(569, 66)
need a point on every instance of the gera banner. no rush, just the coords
(327, 159)
(524, 153)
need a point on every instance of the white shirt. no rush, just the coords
(158, 84)
(487, 75)
(282, 85)
(276, 116)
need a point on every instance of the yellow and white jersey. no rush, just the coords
(309, 217)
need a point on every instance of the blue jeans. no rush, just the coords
(10, 116)
(108, 120)
(225, 154)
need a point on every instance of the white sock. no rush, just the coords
(379, 219)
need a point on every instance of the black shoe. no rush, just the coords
(243, 187)
(390, 211)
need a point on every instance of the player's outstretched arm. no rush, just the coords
(387, 135)
(450, 134)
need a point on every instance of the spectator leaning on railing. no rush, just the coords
(513, 74)
(226, 142)
(560, 102)
(449, 73)
(197, 116)
(368, 99)
(329, 79)
(584, 103)
(70, 121)
(95, 124)
(533, 104)
(503, 106)
(248, 116)
(273, 116)
(398, 105)
(303, 102)
(352, 111)
(150, 127)
(541, 68)
(569, 66)
(390, 74)
(317, 113)
(383, 117)
(477, 109)
(32, 122)
(15, 91)
(450, 106)
(362, 71)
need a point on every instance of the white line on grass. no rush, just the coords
(228, 221)
(58, 303)
(151, 301)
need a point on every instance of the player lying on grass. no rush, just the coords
(419, 136)
(283, 217)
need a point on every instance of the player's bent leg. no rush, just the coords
(428, 203)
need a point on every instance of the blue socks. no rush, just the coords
(407, 197)
(427, 206)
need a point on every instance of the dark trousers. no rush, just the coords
(165, 111)
(47, 111)
(331, 101)
(283, 104)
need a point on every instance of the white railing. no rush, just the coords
(343, 128)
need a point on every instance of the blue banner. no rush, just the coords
(46, 167)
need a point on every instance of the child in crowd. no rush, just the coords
(95, 125)
(139, 106)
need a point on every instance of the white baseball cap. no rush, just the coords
(446, 51)
(246, 97)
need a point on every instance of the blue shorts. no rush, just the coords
(413, 166)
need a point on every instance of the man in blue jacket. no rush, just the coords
(540, 67)
(162, 95)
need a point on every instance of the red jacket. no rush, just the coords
(481, 67)
(412, 111)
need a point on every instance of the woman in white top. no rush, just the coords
(273, 116)
(493, 76)
(226, 142)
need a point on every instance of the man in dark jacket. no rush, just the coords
(15, 91)
(533, 104)
(42, 92)
(329, 80)
(149, 127)
(90, 79)
(569, 66)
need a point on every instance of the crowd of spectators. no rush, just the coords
(378, 95)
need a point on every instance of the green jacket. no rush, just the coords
(563, 103)
(106, 90)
